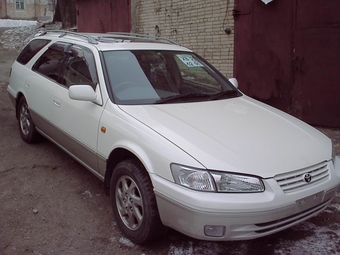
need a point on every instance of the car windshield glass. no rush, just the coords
(150, 77)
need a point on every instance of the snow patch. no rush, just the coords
(87, 193)
(17, 23)
(20, 32)
(333, 207)
(17, 38)
(206, 248)
(323, 241)
(126, 242)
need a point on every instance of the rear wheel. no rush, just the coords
(134, 202)
(27, 128)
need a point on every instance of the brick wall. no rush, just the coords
(197, 24)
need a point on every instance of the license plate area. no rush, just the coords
(310, 201)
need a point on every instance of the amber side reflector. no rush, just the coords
(103, 129)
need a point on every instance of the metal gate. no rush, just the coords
(103, 16)
(287, 54)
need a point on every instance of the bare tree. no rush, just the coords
(65, 12)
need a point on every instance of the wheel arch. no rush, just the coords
(116, 156)
(19, 96)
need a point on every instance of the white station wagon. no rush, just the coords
(175, 142)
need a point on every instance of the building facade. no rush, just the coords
(207, 27)
(26, 9)
(283, 53)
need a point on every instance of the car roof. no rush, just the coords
(113, 41)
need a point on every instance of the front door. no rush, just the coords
(77, 122)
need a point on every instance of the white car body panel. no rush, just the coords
(124, 131)
(40, 90)
(78, 119)
(221, 135)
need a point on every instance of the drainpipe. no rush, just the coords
(133, 13)
(6, 17)
(36, 6)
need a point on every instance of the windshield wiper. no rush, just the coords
(181, 98)
(225, 94)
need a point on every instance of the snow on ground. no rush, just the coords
(19, 32)
(17, 23)
(323, 241)
(15, 39)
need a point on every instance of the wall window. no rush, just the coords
(20, 4)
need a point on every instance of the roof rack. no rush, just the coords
(121, 35)
(142, 36)
(63, 33)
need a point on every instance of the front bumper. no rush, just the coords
(241, 216)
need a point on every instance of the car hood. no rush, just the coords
(238, 135)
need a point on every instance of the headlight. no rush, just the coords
(226, 182)
(215, 181)
(192, 178)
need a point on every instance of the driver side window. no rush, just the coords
(80, 68)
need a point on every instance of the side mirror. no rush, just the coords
(234, 82)
(82, 93)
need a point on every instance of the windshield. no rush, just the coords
(150, 77)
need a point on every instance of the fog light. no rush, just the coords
(214, 231)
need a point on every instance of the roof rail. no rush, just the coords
(63, 33)
(143, 36)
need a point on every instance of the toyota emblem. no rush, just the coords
(307, 177)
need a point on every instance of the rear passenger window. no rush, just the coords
(68, 65)
(30, 50)
(50, 63)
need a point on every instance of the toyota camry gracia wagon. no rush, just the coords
(175, 142)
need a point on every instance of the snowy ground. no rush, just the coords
(19, 32)
(17, 23)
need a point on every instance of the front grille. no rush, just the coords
(293, 181)
(291, 220)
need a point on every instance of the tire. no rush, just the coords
(134, 203)
(26, 126)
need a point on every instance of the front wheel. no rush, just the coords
(27, 128)
(134, 202)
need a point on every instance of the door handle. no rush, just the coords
(56, 103)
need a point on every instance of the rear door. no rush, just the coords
(40, 88)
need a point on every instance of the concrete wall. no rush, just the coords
(197, 24)
(33, 9)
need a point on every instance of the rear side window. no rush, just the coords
(68, 65)
(30, 50)
(50, 63)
